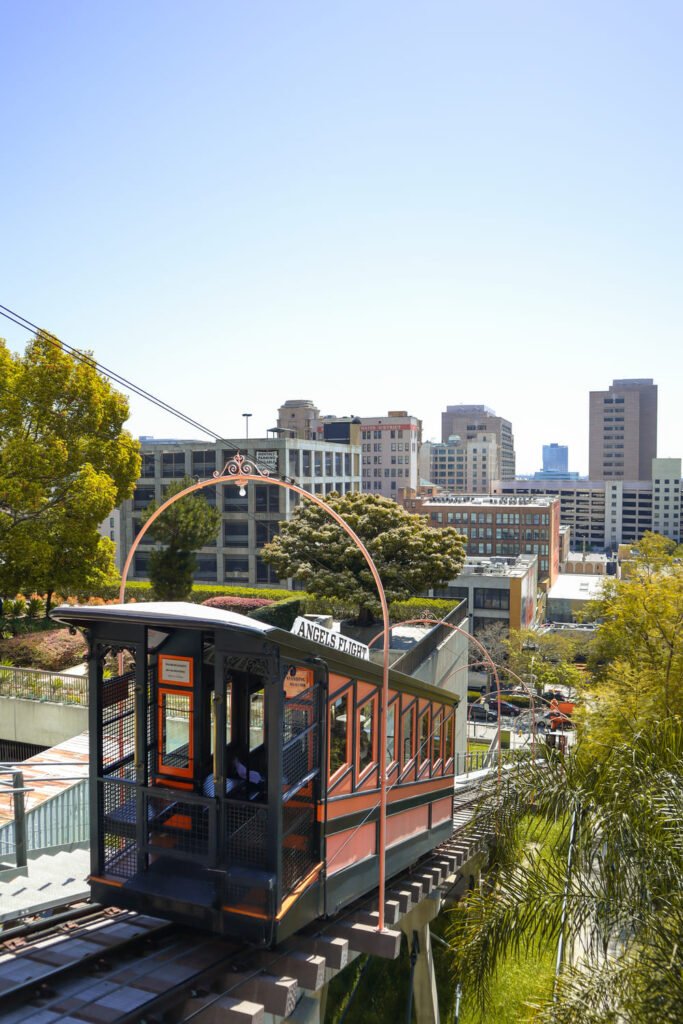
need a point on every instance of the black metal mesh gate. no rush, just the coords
(301, 760)
(116, 776)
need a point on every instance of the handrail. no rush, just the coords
(39, 684)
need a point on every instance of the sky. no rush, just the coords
(372, 204)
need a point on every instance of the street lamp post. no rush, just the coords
(246, 424)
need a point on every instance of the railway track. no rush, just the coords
(114, 967)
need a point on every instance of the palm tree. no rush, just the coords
(588, 858)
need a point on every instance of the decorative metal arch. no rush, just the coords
(240, 471)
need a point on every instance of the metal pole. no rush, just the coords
(19, 818)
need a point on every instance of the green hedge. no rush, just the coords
(281, 614)
(421, 608)
(142, 591)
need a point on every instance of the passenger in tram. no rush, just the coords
(236, 774)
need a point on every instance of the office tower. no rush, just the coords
(623, 431)
(555, 458)
(472, 424)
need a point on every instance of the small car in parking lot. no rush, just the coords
(480, 713)
(506, 708)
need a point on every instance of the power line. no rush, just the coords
(56, 342)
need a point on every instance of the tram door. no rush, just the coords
(179, 821)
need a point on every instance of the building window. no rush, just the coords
(235, 535)
(206, 567)
(203, 463)
(264, 572)
(173, 465)
(147, 465)
(266, 498)
(265, 533)
(237, 567)
(141, 564)
(233, 501)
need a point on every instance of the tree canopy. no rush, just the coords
(615, 804)
(65, 463)
(182, 529)
(409, 554)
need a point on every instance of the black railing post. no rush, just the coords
(19, 818)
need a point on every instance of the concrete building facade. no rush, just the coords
(247, 521)
(497, 590)
(470, 423)
(602, 514)
(623, 430)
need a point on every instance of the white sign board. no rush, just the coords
(267, 459)
(329, 638)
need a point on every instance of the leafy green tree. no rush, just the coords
(637, 660)
(65, 463)
(409, 554)
(182, 529)
(546, 660)
(611, 885)
(616, 902)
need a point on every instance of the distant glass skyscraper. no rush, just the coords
(555, 458)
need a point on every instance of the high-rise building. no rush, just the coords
(475, 424)
(623, 431)
(390, 452)
(555, 458)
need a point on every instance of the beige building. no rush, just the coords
(623, 431)
(477, 429)
(390, 447)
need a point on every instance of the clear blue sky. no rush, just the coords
(373, 204)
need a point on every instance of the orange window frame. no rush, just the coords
(173, 770)
(395, 706)
(407, 714)
(372, 763)
(346, 697)
(437, 724)
(448, 735)
(424, 756)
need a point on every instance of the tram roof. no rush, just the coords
(160, 614)
(148, 613)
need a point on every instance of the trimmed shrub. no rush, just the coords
(280, 613)
(421, 608)
(242, 605)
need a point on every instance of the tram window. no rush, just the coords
(366, 735)
(407, 735)
(423, 754)
(176, 733)
(339, 733)
(448, 738)
(391, 733)
(436, 736)
(256, 733)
